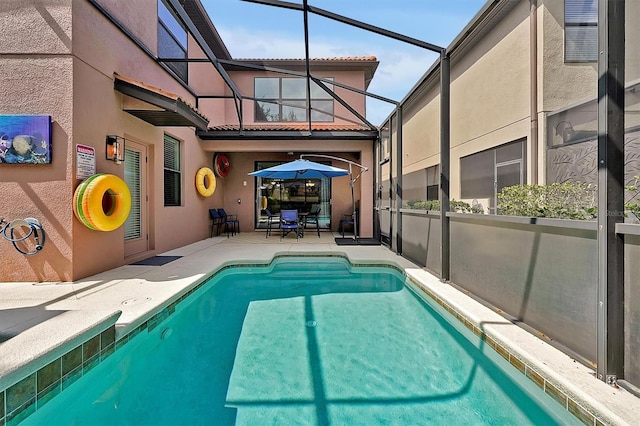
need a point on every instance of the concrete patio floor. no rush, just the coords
(41, 318)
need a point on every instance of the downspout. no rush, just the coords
(399, 165)
(533, 63)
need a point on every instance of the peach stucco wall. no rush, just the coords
(243, 155)
(75, 86)
(38, 83)
(99, 110)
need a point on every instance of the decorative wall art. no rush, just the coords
(25, 139)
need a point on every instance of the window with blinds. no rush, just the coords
(172, 172)
(133, 224)
(580, 30)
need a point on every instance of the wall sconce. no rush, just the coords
(115, 148)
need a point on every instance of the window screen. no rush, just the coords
(581, 30)
(477, 175)
(172, 40)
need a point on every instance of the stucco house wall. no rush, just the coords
(35, 83)
(61, 61)
(491, 97)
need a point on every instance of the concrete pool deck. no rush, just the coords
(39, 320)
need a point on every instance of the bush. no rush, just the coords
(454, 206)
(633, 202)
(424, 204)
(569, 200)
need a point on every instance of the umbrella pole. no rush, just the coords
(353, 205)
(352, 182)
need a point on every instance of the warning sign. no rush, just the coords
(85, 161)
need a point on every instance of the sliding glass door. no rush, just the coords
(291, 194)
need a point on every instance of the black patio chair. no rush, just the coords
(231, 219)
(349, 220)
(313, 218)
(219, 221)
(270, 218)
(216, 221)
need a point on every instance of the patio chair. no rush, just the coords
(231, 219)
(219, 221)
(216, 221)
(348, 220)
(313, 218)
(289, 222)
(270, 218)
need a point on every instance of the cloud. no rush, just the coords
(401, 65)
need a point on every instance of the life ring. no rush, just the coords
(203, 177)
(102, 202)
(222, 165)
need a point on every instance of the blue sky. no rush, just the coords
(252, 30)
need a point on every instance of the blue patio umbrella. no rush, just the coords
(300, 169)
(305, 169)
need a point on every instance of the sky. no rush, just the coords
(252, 30)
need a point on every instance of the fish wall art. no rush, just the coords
(25, 139)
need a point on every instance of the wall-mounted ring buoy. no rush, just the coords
(222, 165)
(205, 182)
(102, 202)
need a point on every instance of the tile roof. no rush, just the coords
(291, 126)
(150, 88)
(334, 59)
(179, 113)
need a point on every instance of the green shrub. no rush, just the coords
(424, 204)
(632, 205)
(569, 200)
(454, 206)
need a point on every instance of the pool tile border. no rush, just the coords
(23, 398)
(574, 407)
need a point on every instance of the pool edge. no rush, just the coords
(507, 340)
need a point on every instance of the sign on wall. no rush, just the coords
(25, 139)
(85, 161)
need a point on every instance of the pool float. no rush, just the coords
(222, 165)
(205, 175)
(102, 202)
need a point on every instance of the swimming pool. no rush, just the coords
(304, 341)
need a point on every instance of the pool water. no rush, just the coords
(306, 341)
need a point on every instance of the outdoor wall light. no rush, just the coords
(115, 148)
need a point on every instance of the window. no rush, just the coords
(285, 99)
(433, 183)
(385, 137)
(581, 30)
(484, 174)
(172, 40)
(172, 172)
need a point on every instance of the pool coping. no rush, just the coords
(569, 382)
(590, 400)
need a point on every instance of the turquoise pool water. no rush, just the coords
(307, 341)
